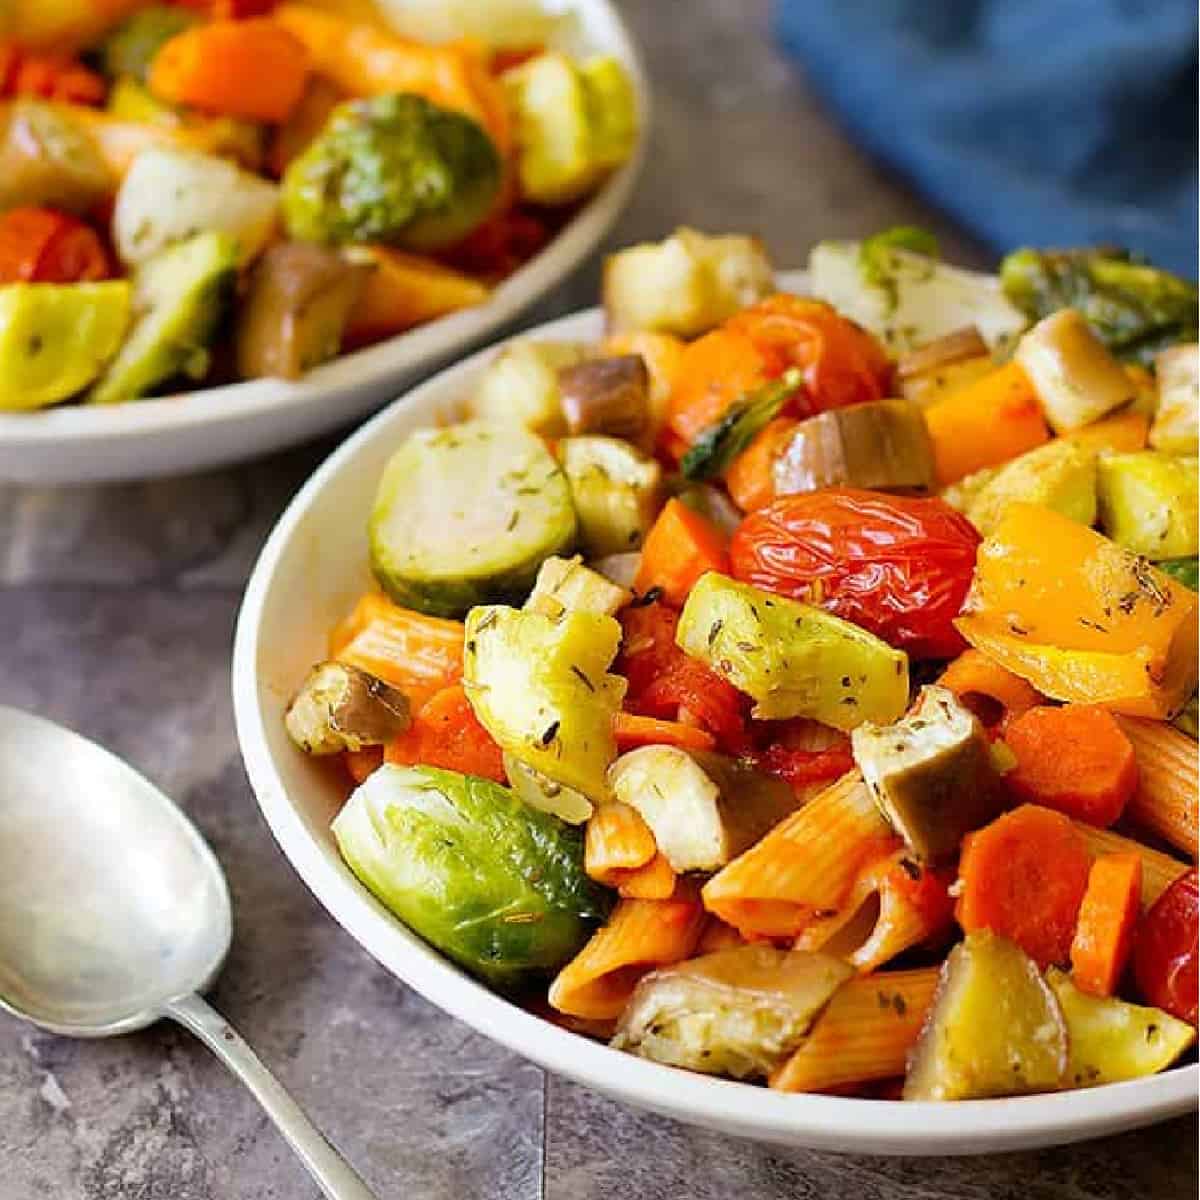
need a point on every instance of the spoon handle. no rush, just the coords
(335, 1177)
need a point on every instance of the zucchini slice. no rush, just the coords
(466, 515)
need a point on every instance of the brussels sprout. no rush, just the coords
(1148, 503)
(737, 1012)
(566, 585)
(793, 659)
(132, 46)
(995, 1028)
(540, 687)
(340, 707)
(394, 169)
(495, 885)
(616, 489)
(1135, 310)
(1111, 1040)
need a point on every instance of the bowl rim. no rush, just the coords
(813, 1120)
(415, 349)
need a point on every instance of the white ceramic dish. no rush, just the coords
(197, 430)
(311, 570)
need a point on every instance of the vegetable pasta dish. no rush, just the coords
(802, 689)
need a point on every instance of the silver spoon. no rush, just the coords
(114, 914)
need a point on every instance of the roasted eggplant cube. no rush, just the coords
(607, 396)
(737, 1012)
(931, 774)
(340, 707)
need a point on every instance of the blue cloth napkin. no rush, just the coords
(1034, 122)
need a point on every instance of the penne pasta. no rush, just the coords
(617, 840)
(893, 905)
(640, 935)
(865, 1033)
(804, 867)
(1167, 801)
(654, 881)
(418, 654)
(718, 936)
(1159, 870)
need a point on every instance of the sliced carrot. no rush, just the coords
(1107, 919)
(751, 476)
(254, 69)
(446, 733)
(361, 763)
(1024, 876)
(992, 692)
(654, 881)
(680, 547)
(632, 730)
(1075, 759)
(986, 423)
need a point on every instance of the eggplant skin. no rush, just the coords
(490, 882)
(340, 707)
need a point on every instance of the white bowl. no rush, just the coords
(215, 426)
(309, 573)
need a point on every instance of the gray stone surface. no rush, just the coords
(118, 607)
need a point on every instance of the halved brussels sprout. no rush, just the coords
(616, 489)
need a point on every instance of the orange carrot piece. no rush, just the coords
(617, 840)
(983, 685)
(1167, 800)
(253, 69)
(654, 881)
(1075, 759)
(679, 548)
(986, 423)
(1126, 430)
(1024, 876)
(632, 730)
(751, 476)
(360, 763)
(446, 733)
(1107, 918)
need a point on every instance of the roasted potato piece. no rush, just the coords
(609, 396)
(737, 1012)
(995, 1028)
(295, 314)
(566, 585)
(520, 385)
(930, 773)
(1175, 423)
(1111, 1040)
(703, 809)
(340, 707)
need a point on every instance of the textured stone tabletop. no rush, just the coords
(117, 607)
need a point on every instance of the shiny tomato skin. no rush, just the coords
(1165, 951)
(898, 566)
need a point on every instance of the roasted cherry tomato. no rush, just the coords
(1165, 952)
(665, 683)
(41, 245)
(802, 752)
(895, 565)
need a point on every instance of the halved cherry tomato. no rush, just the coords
(41, 245)
(1165, 952)
(895, 565)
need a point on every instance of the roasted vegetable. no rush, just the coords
(1149, 503)
(931, 773)
(922, 364)
(566, 585)
(130, 48)
(574, 124)
(1061, 475)
(544, 794)
(793, 659)
(907, 298)
(1110, 1040)
(616, 489)
(168, 195)
(882, 445)
(49, 159)
(684, 285)
(1184, 570)
(181, 296)
(995, 1028)
(511, 24)
(609, 396)
(467, 514)
(1134, 309)
(394, 169)
(1175, 423)
(737, 1012)
(540, 687)
(521, 385)
(295, 313)
(339, 707)
(713, 505)
(56, 338)
(492, 883)
(704, 810)
(1076, 379)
